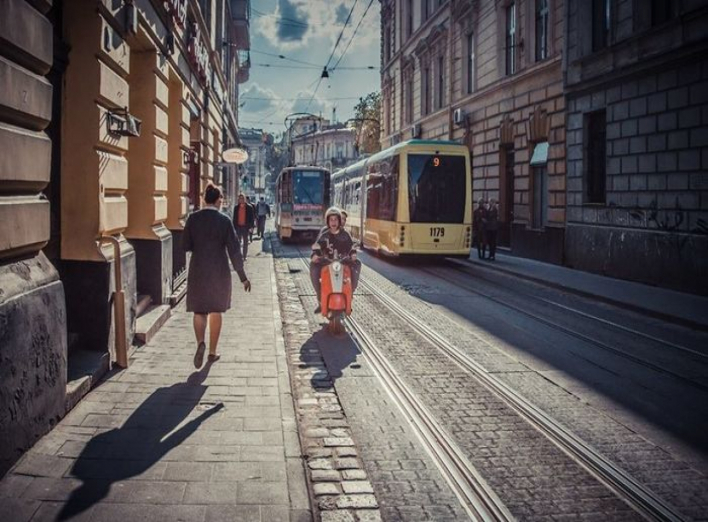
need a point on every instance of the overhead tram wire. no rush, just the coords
(324, 71)
(353, 34)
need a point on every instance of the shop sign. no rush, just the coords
(178, 10)
(199, 55)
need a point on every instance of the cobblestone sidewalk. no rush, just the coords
(161, 441)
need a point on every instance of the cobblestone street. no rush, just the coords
(534, 478)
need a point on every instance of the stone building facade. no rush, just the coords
(331, 146)
(254, 170)
(487, 73)
(637, 188)
(115, 113)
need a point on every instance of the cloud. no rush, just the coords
(314, 25)
(257, 98)
(293, 24)
(341, 14)
(303, 104)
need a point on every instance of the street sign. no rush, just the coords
(235, 155)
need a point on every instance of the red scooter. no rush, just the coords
(337, 293)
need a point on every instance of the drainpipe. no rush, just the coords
(118, 305)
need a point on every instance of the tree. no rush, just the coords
(367, 123)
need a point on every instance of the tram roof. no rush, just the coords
(395, 149)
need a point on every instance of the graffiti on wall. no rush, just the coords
(668, 220)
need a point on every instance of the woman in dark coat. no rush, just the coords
(209, 235)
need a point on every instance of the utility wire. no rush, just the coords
(285, 58)
(339, 39)
(353, 34)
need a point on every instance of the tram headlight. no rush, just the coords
(402, 237)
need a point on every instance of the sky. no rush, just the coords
(307, 31)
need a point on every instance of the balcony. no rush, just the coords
(244, 66)
(241, 13)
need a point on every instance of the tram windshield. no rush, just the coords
(308, 187)
(436, 188)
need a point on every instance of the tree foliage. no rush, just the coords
(367, 114)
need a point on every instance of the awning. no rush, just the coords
(540, 154)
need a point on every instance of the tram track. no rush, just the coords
(616, 479)
(702, 358)
(480, 502)
(462, 267)
(476, 497)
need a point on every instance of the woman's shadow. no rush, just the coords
(148, 434)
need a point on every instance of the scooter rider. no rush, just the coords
(333, 243)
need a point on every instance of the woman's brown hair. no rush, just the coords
(212, 193)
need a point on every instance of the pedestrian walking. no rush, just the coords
(492, 227)
(211, 238)
(243, 222)
(478, 222)
(262, 211)
(252, 226)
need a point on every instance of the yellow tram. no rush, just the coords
(413, 198)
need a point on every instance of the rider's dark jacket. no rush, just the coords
(334, 245)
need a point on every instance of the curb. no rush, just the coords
(682, 321)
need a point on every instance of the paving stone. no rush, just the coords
(369, 515)
(320, 464)
(326, 488)
(345, 452)
(337, 516)
(354, 474)
(348, 463)
(359, 486)
(234, 513)
(325, 475)
(356, 501)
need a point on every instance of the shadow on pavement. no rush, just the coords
(337, 353)
(148, 434)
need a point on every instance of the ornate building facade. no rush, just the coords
(487, 73)
(637, 91)
(119, 112)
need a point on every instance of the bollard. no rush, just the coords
(118, 305)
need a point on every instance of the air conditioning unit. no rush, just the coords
(459, 117)
(416, 131)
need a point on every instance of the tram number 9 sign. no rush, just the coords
(437, 231)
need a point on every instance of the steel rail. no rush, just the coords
(476, 497)
(626, 487)
(465, 267)
(576, 334)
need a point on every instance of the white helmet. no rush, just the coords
(333, 211)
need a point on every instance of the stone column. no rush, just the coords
(94, 175)
(147, 174)
(32, 312)
(177, 167)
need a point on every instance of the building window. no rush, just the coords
(661, 11)
(595, 158)
(441, 83)
(511, 39)
(541, 30)
(409, 28)
(470, 63)
(425, 94)
(409, 100)
(539, 172)
(387, 45)
(601, 20)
